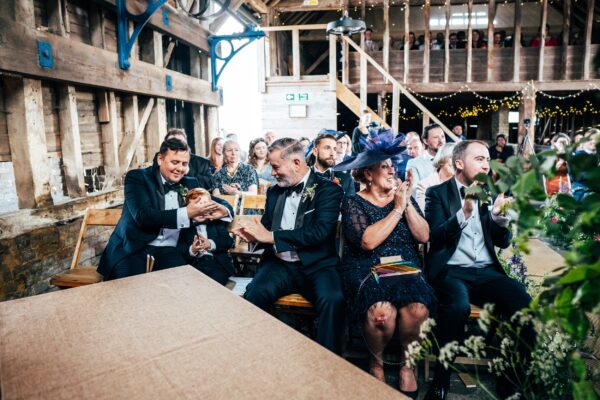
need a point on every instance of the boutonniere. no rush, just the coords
(182, 190)
(336, 180)
(309, 192)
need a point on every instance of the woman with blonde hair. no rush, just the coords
(216, 155)
(235, 176)
(258, 158)
(442, 162)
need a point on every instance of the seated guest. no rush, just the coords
(216, 155)
(422, 166)
(444, 171)
(208, 252)
(298, 233)
(477, 40)
(587, 145)
(499, 38)
(342, 149)
(560, 182)
(305, 142)
(453, 41)
(361, 131)
(383, 220)
(501, 152)
(322, 160)
(457, 129)
(462, 265)
(549, 42)
(269, 137)
(153, 215)
(199, 167)
(234, 177)
(370, 44)
(259, 160)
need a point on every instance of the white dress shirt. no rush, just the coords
(168, 237)
(421, 168)
(288, 219)
(471, 250)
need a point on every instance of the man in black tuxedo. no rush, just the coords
(153, 215)
(323, 159)
(199, 167)
(462, 265)
(298, 233)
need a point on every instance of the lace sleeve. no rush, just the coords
(354, 221)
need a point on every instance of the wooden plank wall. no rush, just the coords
(89, 128)
(51, 122)
(79, 21)
(501, 71)
(4, 146)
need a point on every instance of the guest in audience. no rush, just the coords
(453, 41)
(462, 265)
(269, 137)
(216, 155)
(589, 143)
(549, 42)
(461, 38)
(322, 160)
(298, 233)
(560, 183)
(457, 129)
(199, 167)
(499, 39)
(414, 147)
(234, 137)
(259, 159)
(422, 166)
(211, 241)
(502, 151)
(478, 41)
(235, 177)
(153, 215)
(361, 131)
(383, 220)
(305, 142)
(343, 147)
(400, 45)
(370, 44)
(442, 162)
(420, 42)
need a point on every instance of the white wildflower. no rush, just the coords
(413, 353)
(426, 327)
(497, 365)
(474, 347)
(485, 317)
(521, 319)
(506, 346)
(515, 396)
(448, 352)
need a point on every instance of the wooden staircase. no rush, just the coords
(352, 101)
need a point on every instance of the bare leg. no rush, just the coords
(409, 322)
(378, 330)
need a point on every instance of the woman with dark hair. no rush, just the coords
(478, 41)
(501, 151)
(216, 155)
(383, 221)
(258, 158)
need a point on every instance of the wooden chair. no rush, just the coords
(253, 202)
(85, 275)
(232, 199)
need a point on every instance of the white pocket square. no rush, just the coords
(309, 211)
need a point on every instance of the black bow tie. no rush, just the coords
(171, 186)
(462, 192)
(327, 174)
(297, 189)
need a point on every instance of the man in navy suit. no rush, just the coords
(462, 265)
(153, 215)
(298, 233)
(323, 159)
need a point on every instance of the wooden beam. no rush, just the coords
(490, 35)
(564, 59)
(447, 43)
(212, 117)
(353, 103)
(79, 63)
(386, 35)
(406, 38)
(470, 41)
(272, 38)
(70, 140)
(317, 62)
(27, 139)
(56, 22)
(156, 128)
(261, 56)
(332, 62)
(544, 18)
(527, 111)
(218, 22)
(96, 16)
(517, 43)
(427, 47)
(588, 39)
(296, 53)
(200, 134)
(131, 141)
(110, 138)
(345, 62)
(181, 26)
(21, 11)
(395, 108)
(131, 122)
(258, 5)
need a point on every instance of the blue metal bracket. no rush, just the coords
(247, 37)
(45, 54)
(125, 41)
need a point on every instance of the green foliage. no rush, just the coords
(567, 297)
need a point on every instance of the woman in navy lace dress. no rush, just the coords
(380, 221)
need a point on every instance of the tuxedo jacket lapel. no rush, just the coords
(454, 199)
(304, 201)
(278, 209)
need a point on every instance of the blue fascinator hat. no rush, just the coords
(380, 144)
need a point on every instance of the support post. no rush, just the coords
(296, 53)
(517, 43)
(395, 108)
(527, 111)
(200, 135)
(564, 59)
(490, 35)
(588, 40)
(427, 49)
(406, 41)
(332, 62)
(386, 35)
(70, 141)
(447, 44)
(542, 40)
(212, 116)
(470, 41)
(110, 135)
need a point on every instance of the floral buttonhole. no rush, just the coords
(309, 192)
(336, 180)
(182, 190)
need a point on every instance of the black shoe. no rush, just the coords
(436, 393)
(412, 395)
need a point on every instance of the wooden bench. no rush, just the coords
(85, 275)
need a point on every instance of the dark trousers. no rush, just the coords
(135, 264)
(211, 268)
(460, 286)
(323, 288)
